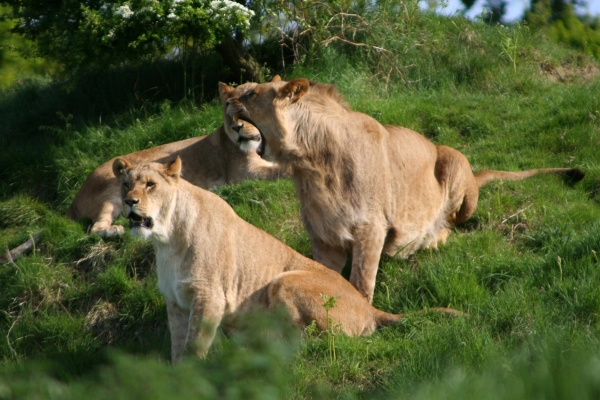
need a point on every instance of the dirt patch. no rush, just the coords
(568, 73)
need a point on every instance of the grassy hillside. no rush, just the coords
(83, 315)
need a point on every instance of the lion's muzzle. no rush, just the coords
(137, 221)
(237, 125)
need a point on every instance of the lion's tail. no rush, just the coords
(484, 177)
(386, 319)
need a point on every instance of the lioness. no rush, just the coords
(231, 154)
(364, 187)
(212, 265)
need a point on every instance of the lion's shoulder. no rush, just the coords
(325, 91)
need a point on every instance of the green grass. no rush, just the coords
(84, 315)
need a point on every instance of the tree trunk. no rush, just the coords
(243, 65)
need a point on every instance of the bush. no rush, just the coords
(115, 32)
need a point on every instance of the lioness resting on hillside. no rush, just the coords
(228, 155)
(364, 187)
(212, 265)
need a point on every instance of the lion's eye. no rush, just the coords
(149, 184)
(126, 185)
(248, 95)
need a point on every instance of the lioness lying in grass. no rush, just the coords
(230, 154)
(212, 265)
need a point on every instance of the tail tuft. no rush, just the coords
(574, 175)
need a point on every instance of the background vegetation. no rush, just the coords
(83, 315)
(16, 55)
(562, 21)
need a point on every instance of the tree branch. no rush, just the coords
(17, 252)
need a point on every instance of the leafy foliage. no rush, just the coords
(112, 32)
(16, 58)
(562, 25)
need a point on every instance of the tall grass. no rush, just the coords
(83, 315)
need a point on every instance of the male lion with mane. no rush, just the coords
(364, 187)
(213, 266)
(231, 154)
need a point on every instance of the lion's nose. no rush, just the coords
(237, 128)
(131, 202)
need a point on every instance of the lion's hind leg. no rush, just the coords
(468, 206)
(454, 173)
(303, 294)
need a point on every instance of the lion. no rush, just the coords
(364, 188)
(213, 266)
(231, 154)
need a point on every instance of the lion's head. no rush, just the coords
(278, 107)
(148, 192)
(239, 126)
(242, 133)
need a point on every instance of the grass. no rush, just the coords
(84, 315)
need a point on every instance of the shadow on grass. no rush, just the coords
(38, 115)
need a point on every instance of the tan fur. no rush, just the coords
(228, 155)
(213, 266)
(364, 187)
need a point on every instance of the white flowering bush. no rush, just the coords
(226, 12)
(101, 32)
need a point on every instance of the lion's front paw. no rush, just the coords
(110, 231)
(115, 230)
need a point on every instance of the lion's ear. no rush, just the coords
(174, 169)
(224, 91)
(276, 78)
(295, 89)
(120, 167)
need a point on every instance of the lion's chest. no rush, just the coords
(328, 217)
(174, 280)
